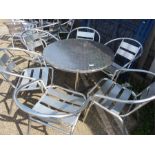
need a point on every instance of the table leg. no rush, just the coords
(76, 81)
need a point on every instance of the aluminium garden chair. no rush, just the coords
(86, 33)
(127, 52)
(16, 27)
(15, 76)
(35, 38)
(119, 101)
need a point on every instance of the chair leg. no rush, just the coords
(86, 112)
(44, 129)
(12, 42)
(124, 129)
(28, 63)
(11, 107)
(71, 132)
(122, 125)
(29, 125)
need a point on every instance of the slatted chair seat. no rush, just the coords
(110, 70)
(58, 102)
(58, 107)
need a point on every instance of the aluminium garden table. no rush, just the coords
(78, 56)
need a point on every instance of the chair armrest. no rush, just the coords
(28, 52)
(14, 74)
(125, 101)
(124, 70)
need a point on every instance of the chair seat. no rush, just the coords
(36, 73)
(56, 101)
(115, 90)
(111, 69)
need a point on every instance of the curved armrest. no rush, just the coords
(35, 113)
(124, 70)
(14, 74)
(28, 52)
(125, 101)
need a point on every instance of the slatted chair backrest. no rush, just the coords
(86, 33)
(128, 51)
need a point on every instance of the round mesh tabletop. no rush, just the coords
(78, 56)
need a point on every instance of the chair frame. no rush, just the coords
(85, 38)
(32, 114)
(136, 101)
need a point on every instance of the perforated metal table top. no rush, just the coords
(78, 56)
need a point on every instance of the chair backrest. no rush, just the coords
(35, 38)
(128, 51)
(86, 33)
